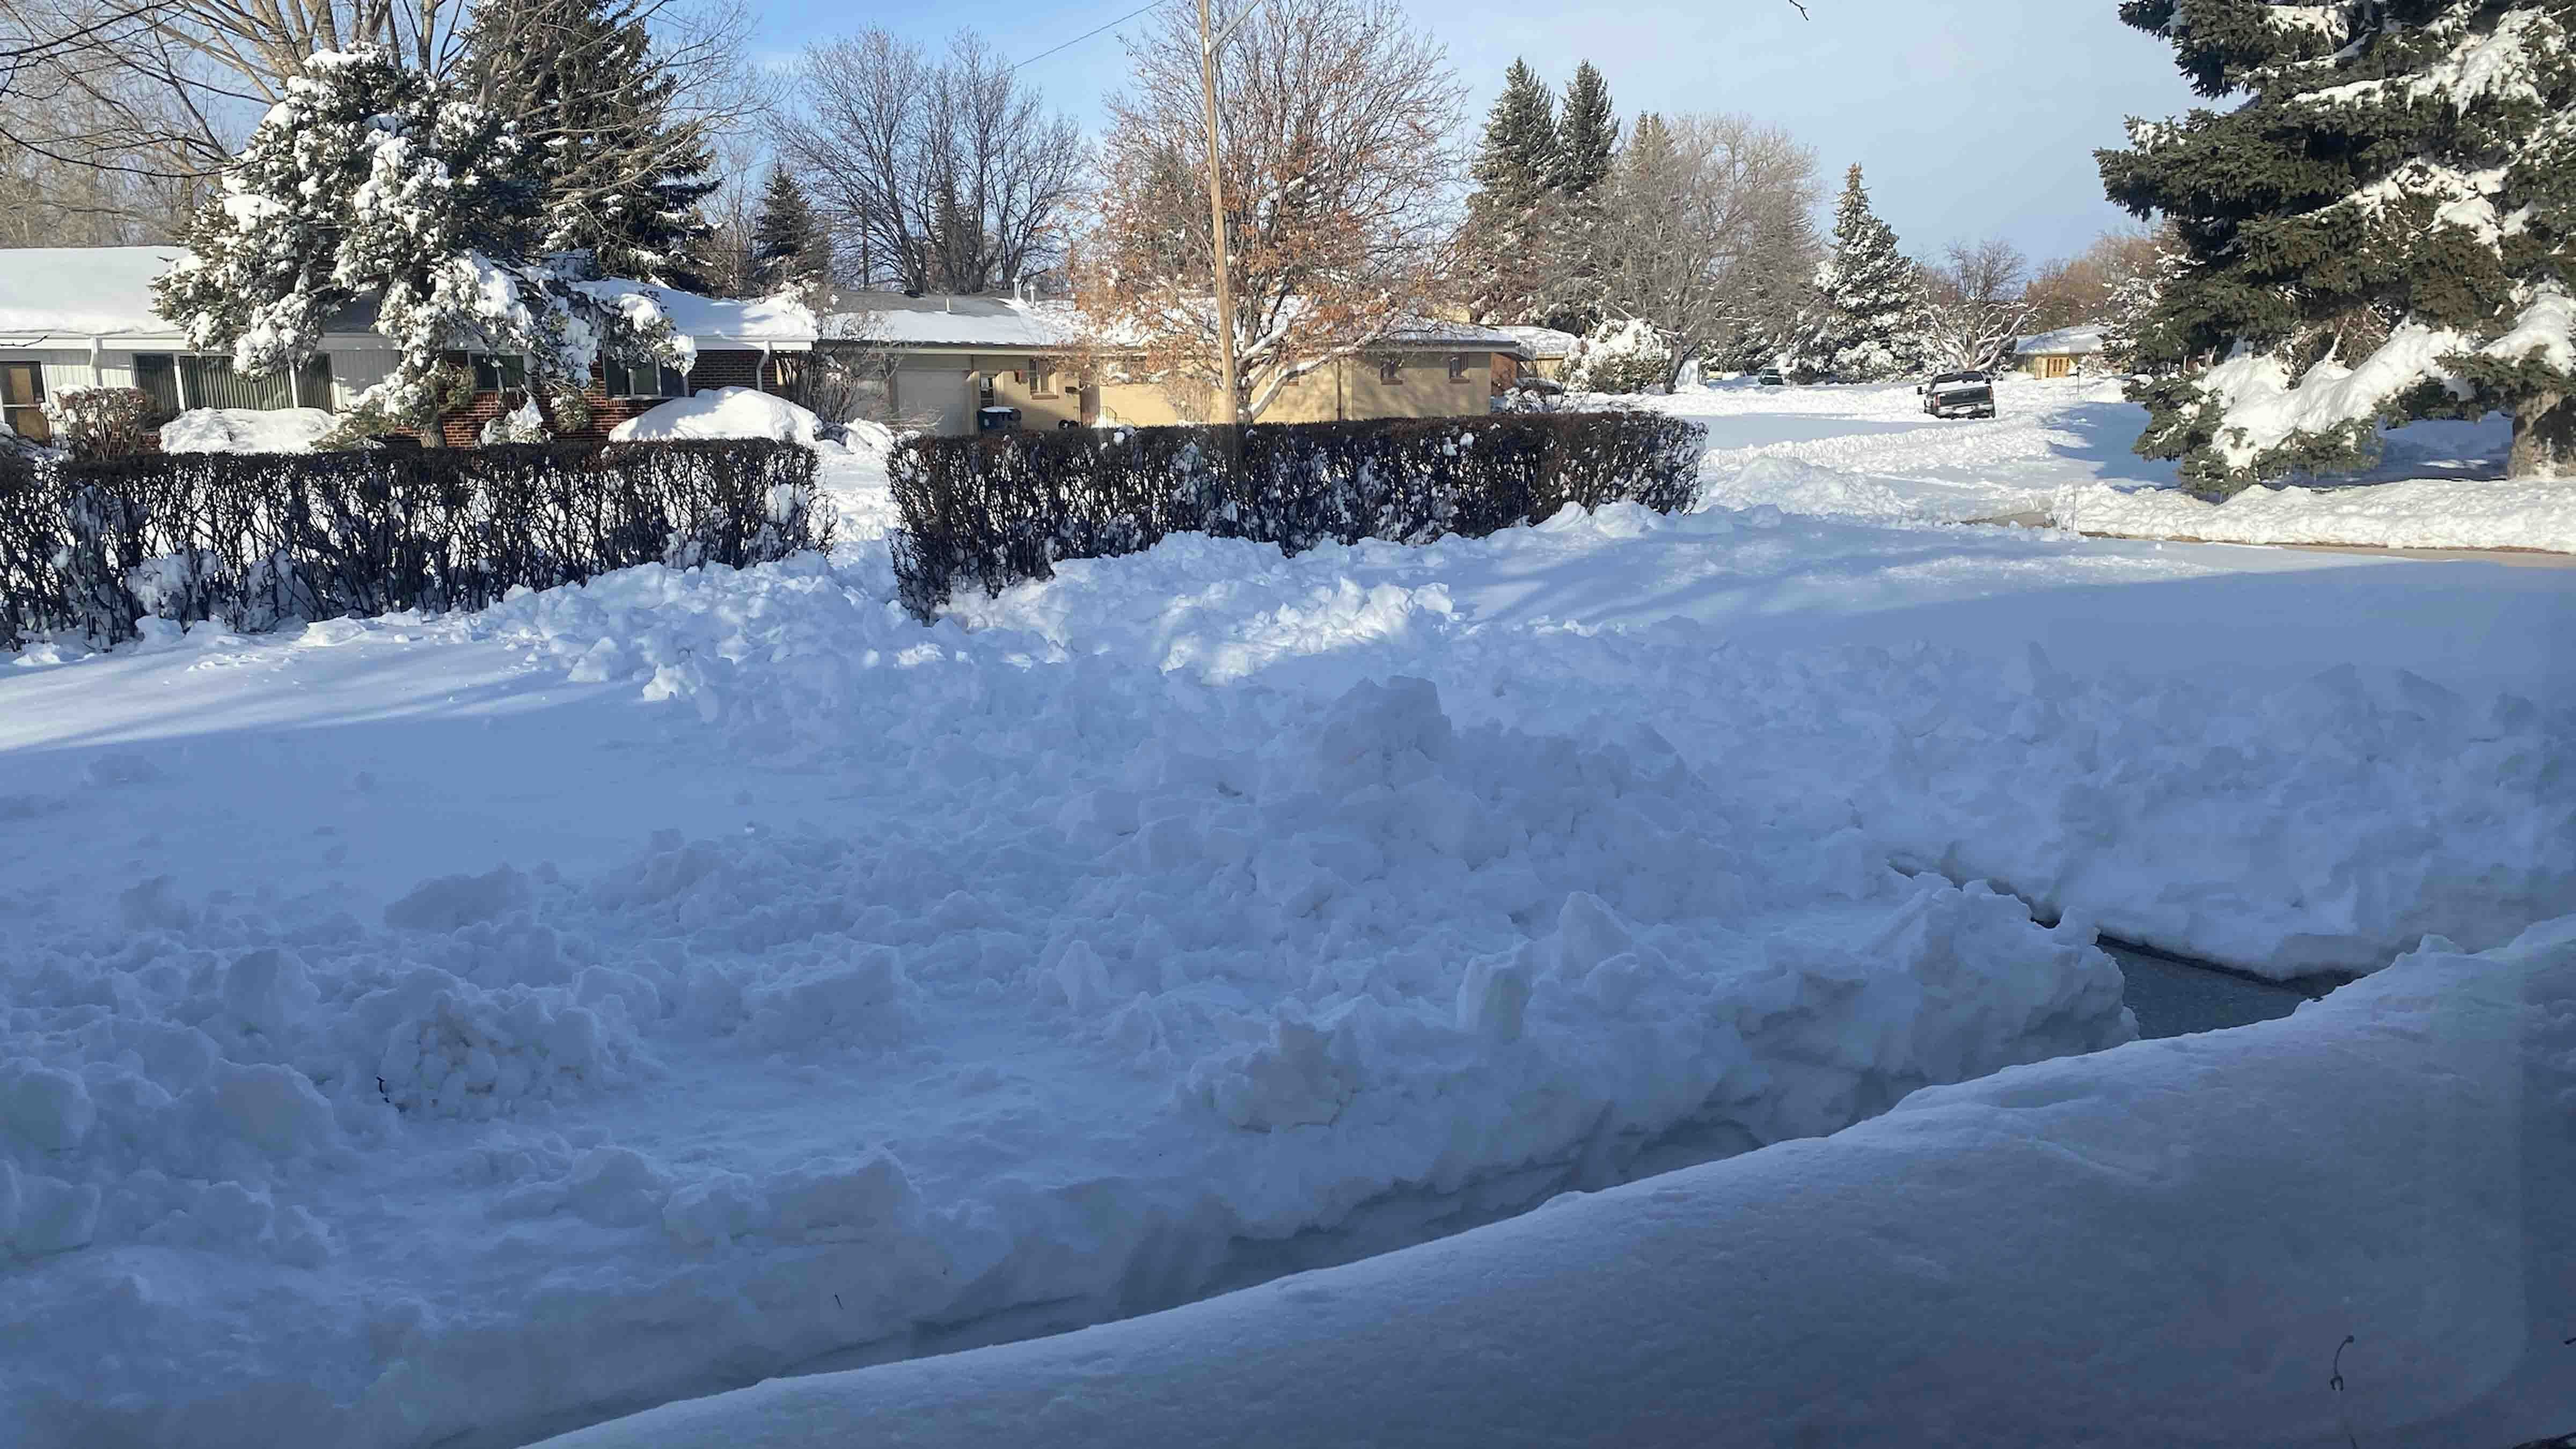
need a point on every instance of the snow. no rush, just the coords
(71, 294)
(720, 966)
(1545, 344)
(245, 430)
(2074, 341)
(2335, 1228)
(781, 321)
(2414, 513)
(725, 412)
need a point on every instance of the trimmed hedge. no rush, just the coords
(998, 508)
(93, 548)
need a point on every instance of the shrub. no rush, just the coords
(1620, 357)
(1002, 507)
(101, 422)
(94, 548)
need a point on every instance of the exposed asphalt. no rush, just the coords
(2178, 998)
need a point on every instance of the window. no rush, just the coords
(22, 400)
(157, 374)
(498, 372)
(642, 379)
(1457, 367)
(1390, 372)
(1041, 381)
(177, 381)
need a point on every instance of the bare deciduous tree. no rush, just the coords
(2078, 289)
(1979, 303)
(165, 92)
(1336, 119)
(941, 175)
(1707, 233)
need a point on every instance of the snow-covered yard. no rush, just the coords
(2060, 451)
(457, 1030)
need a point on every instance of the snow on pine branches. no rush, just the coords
(374, 184)
(1870, 320)
(2384, 230)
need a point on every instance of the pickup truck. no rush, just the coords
(1959, 395)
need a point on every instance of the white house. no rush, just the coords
(76, 317)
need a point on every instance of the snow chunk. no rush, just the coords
(245, 430)
(729, 412)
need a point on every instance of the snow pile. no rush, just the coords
(522, 424)
(1167, 1010)
(2383, 806)
(245, 430)
(2416, 513)
(726, 412)
(2335, 1228)
(1796, 486)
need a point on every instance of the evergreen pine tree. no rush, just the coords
(621, 177)
(1588, 135)
(1869, 321)
(1587, 141)
(2385, 229)
(376, 184)
(790, 251)
(1510, 237)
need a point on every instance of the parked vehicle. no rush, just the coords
(1770, 377)
(1959, 395)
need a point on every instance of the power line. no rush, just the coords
(1086, 35)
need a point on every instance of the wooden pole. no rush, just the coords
(1227, 411)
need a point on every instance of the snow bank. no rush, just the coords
(2333, 1228)
(2326, 820)
(1226, 975)
(2417, 513)
(245, 430)
(726, 412)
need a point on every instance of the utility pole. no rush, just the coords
(1211, 41)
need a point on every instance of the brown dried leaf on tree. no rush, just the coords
(1337, 120)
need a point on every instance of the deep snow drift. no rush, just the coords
(2343, 1227)
(2419, 513)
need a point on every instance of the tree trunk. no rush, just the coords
(2544, 437)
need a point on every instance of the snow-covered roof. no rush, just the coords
(1544, 343)
(2065, 341)
(66, 293)
(1005, 323)
(779, 321)
(72, 294)
(1015, 324)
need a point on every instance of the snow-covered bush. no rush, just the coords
(997, 509)
(100, 422)
(252, 541)
(1620, 357)
(375, 182)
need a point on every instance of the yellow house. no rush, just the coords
(948, 360)
(2066, 352)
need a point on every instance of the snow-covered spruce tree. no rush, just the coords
(1627, 356)
(2384, 229)
(1587, 145)
(372, 183)
(621, 176)
(789, 249)
(1511, 222)
(1869, 321)
(1587, 134)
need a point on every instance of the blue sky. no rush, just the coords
(1970, 120)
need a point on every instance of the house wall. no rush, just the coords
(353, 368)
(936, 389)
